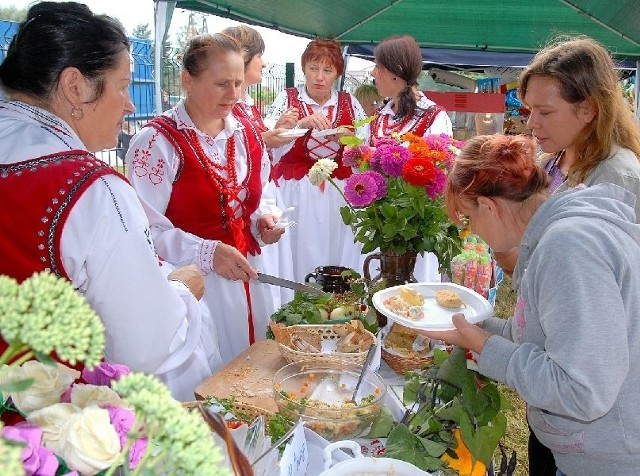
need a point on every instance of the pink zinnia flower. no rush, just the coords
(360, 190)
(36, 459)
(104, 373)
(354, 156)
(381, 183)
(392, 159)
(122, 420)
(385, 141)
(436, 187)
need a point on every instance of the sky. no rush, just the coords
(280, 47)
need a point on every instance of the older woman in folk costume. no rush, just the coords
(67, 212)
(398, 64)
(321, 238)
(202, 171)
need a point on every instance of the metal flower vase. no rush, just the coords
(395, 269)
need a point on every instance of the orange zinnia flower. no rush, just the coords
(464, 464)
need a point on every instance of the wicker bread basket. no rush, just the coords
(402, 364)
(401, 358)
(312, 334)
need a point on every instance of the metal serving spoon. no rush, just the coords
(365, 366)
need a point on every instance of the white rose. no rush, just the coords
(49, 383)
(51, 419)
(83, 395)
(88, 441)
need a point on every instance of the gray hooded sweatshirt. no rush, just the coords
(572, 348)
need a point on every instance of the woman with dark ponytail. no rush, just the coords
(398, 65)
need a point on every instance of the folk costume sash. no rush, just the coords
(250, 113)
(380, 126)
(296, 163)
(43, 193)
(204, 201)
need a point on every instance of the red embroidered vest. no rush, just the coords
(251, 114)
(296, 163)
(197, 204)
(37, 196)
(419, 128)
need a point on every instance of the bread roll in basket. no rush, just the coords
(345, 343)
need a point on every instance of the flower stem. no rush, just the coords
(332, 182)
(23, 358)
(15, 348)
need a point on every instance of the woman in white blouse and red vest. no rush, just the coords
(321, 238)
(398, 65)
(202, 171)
(66, 212)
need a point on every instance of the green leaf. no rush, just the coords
(404, 445)
(16, 386)
(483, 441)
(434, 448)
(350, 141)
(382, 425)
(364, 121)
(45, 358)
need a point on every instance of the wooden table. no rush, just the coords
(248, 378)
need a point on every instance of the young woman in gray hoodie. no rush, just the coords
(571, 349)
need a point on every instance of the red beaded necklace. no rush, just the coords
(227, 186)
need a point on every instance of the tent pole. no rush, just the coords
(637, 89)
(343, 77)
(163, 10)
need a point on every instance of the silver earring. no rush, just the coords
(77, 113)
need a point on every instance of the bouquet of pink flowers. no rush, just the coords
(394, 202)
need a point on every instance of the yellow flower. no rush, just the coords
(464, 464)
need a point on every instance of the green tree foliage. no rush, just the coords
(13, 13)
(142, 31)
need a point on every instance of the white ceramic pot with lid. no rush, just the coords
(365, 466)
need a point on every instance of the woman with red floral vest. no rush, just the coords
(398, 65)
(67, 212)
(202, 171)
(321, 238)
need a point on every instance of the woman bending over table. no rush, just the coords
(571, 348)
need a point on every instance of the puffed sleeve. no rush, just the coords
(441, 125)
(108, 254)
(152, 163)
(279, 105)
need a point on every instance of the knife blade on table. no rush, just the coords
(285, 283)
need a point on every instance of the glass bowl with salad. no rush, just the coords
(320, 394)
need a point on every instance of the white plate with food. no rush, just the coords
(430, 306)
(329, 132)
(293, 133)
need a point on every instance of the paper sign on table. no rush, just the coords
(295, 457)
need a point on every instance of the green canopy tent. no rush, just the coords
(515, 26)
